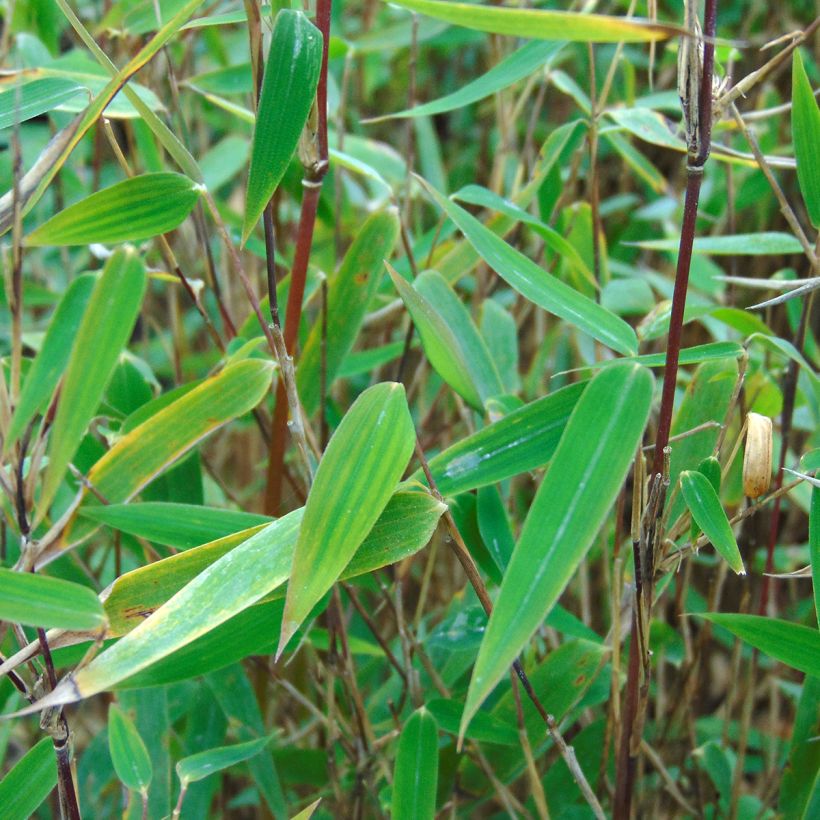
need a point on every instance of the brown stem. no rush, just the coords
(312, 184)
(700, 145)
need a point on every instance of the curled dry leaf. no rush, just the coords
(757, 459)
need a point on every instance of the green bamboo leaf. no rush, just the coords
(307, 812)
(181, 611)
(50, 362)
(449, 337)
(523, 440)
(689, 355)
(181, 526)
(288, 87)
(800, 786)
(350, 291)
(356, 477)
(500, 334)
(203, 764)
(415, 775)
(806, 136)
(795, 645)
(709, 515)
(404, 527)
(30, 782)
(136, 208)
(535, 284)
(104, 330)
(575, 497)
(21, 103)
(768, 243)
(146, 450)
(543, 25)
(521, 63)
(814, 547)
(38, 600)
(128, 753)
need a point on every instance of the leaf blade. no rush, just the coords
(806, 136)
(416, 769)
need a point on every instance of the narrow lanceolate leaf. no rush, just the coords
(50, 363)
(404, 527)
(201, 765)
(523, 440)
(134, 209)
(521, 63)
(542, 25)
(415, 775)
(181, 526)
(795, 645)
(31, 780)
(128, 753)
(814, 547)
(531, 281)
(766, 243)
(577, 494)
(449, 337)
(356, 477)
(37, 600)
(105, 328)
(21, 103)
(350, 291)
(709, 515)
(806, 137)
(145, 451)
(288, 87)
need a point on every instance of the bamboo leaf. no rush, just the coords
(22, 102)
(38, 600)
(29, 783)
(709, 515)
(449, 337)
(128, 753)
(181, 526)
(350, 292)
(521, 63)
(814, 547)
(105, 328)
(146, 450)
(50, 362)
(356, 477)
(806, 136)
(577, 493)
(203, 764)
(136, 208)
(288, 87)
(535, 284)
(523, 440)
(543, 25)
(415, 775)
(795, 645)
(767, 243)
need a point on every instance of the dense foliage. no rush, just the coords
(409, 410)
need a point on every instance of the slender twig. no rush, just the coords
(695, 88)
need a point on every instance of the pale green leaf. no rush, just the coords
(30, 782)
(531, 281)
(105, 328)
(806, 136)
(51, 360)
(415, 774)
(288, 87)
(350, 292)
(21, 103)
(577, 494)
(748, 244)
(201, 765)
(541, 24)
(128, 753)
(795, 645)
(708, 513)
(137, 208)
(358, 473)
(38, 600)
